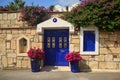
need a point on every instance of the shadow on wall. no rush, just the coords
(84, 66)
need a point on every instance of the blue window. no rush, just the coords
(89, 41)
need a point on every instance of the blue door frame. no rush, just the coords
(56, 46)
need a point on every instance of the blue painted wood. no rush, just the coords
(56, 56)
(89, 41)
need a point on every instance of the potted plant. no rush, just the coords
(74, 58)
(35, 55)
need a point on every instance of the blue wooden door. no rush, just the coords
(56, 46)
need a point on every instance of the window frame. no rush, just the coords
(91, 28)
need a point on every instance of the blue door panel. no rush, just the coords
(58, 40)
(89, 41)
(60, 60)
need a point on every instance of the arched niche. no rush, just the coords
(23, 45)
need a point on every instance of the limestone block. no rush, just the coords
(109, 57)
(75, 41)
(11, 55)
(20, 58)
(31, 40)
(0, 57)
(9, 51)
(12, 16)
(5, 16)
(29, 64)
(0, 31)
(104, 51)
(119, 66)
(19, 22)
(28, 31)
(2, 21)
(26, 58)
(12, 22)
(14, 31)
(20, 31)
(85, 57)
(75, 36)
(103, 35)
(7, 22)
(16, 26)
(100, 58)
(39, 45)
(36, 38)
(0, 16)
(18, 15)
(77, 45)
(109, 43)
(9, 36)
(19, 63)
(9, 31)
(10, 61)
(76, 49)
(91, 59)
(116, 59)
(107, 65)
(4, 32)
(4, 26)
(93, 64)
(13, 44)
(114, 50)
(2, 46)
(24, 64)
(0, 64)
(112, 37)
(40, 38)
(4, 61)
(33, 32)
(71, 47)
(8, 45)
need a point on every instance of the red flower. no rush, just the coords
(35, 53)
(73, 56)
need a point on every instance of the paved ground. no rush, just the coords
(57, 75)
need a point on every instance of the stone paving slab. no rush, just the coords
(57, 75)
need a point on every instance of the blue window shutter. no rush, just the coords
(89, 41)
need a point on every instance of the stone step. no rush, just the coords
(56, 68)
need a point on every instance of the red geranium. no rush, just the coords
(35, 53)
(73, 56)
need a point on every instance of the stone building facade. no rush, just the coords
(12, 56)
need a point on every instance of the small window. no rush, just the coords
(89, 41)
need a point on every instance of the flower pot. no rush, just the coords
(75, 66)
(35, 65)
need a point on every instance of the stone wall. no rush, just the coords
(8, 45)
(109, 52)
(11, 29)
(10, 20)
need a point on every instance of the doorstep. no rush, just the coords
(56, 68)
